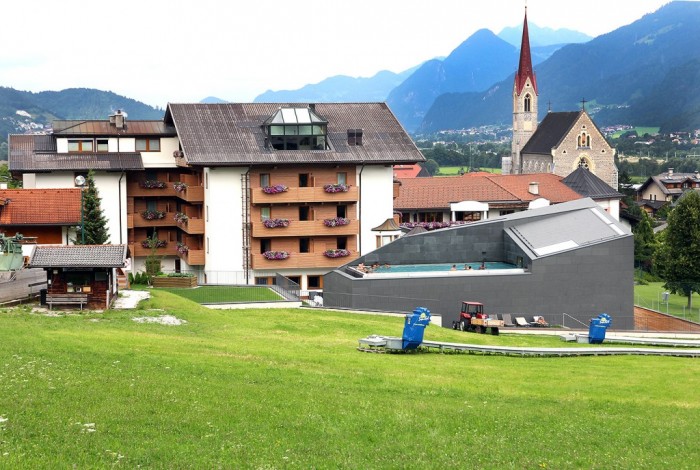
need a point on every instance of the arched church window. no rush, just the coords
(584, 163)
(528, 103)
(583, 140)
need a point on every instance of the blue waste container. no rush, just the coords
(414, 327)
(597, 328)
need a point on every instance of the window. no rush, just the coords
(304, 245)
(102, 145)
(341, 211)
(583, 140)
(342, 178)
(506, 212)
(304, 213)
(471, 216)
(265, 245)
(296, 129)
(354, 136)
(430, 217)
(264, 180)
(80, 145)
(148, 145)
(583, 163)
(527, 103)
(265, 281)
(341, 243)
(314, 282)
(303, 180)
(264, 213)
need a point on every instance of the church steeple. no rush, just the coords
(525, 65)
(524, 105)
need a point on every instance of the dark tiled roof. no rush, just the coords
(587, 184)
(550, 132)
(232, 134)
(78, 256)
(40, 207)
(37, 152)
(103, 127)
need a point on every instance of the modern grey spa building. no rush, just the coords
(571, 258)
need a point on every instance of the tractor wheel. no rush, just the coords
(463, 325)
(481, 329)
(494, 331)
(455, 325)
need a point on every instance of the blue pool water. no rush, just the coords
(413, 268)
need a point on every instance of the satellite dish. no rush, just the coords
(80, 180)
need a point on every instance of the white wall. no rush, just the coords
(107, 184)
(164, 158)
(223, 218)
(376, 184)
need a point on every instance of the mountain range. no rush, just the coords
(646, 73)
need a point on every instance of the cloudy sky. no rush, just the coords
(160, 51)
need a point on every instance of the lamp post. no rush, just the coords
(80, 182)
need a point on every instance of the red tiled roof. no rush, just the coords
(40, 207)
(407, 171)
(440, 192)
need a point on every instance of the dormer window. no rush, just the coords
(296, 129)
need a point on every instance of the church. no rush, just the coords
(562, 142)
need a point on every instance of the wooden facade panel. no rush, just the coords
(303, 195)
(301, 260)
(310, 228)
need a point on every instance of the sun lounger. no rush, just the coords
(507, 320)
(520, 321)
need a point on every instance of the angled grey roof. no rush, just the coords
(79, 256)
(587, 184)
(563, 227)
(550, 132)
(38, 153)
(232, 134)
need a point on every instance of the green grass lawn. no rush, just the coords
(640, 131)
(454, 170)
(286, 388)
(226, 294)
(651, 296)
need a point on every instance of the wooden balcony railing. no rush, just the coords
(301, 260)
(304, 228)
(191, 194)
(298, 195)
(136, 220)
(137, 250)
(193, 226)
(134, 190)
(193, 257)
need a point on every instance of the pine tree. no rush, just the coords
(644, 242)
(680, 257)
(94, 221)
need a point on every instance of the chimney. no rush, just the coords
(534, 188)
(118, 119)
(670, 172)
(312, 106)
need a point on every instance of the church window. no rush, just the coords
(583, 140)
(583, 163)
(528, 103)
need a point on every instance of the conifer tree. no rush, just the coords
(680, 257)
(94, 221)
(644, 242)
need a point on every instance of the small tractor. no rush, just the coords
(472, 318)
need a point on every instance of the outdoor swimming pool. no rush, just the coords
(413, 268)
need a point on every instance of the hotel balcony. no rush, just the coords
(135, 190)
(136, 220)
(304, 228)
(301, 260)
(192, 226)
(193, 257)
(303, 195)
(137, 250)
(191, 194)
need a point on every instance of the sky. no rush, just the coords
(161, 51)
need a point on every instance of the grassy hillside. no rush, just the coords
(287, 388)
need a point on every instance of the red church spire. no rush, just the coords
(525, 65)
